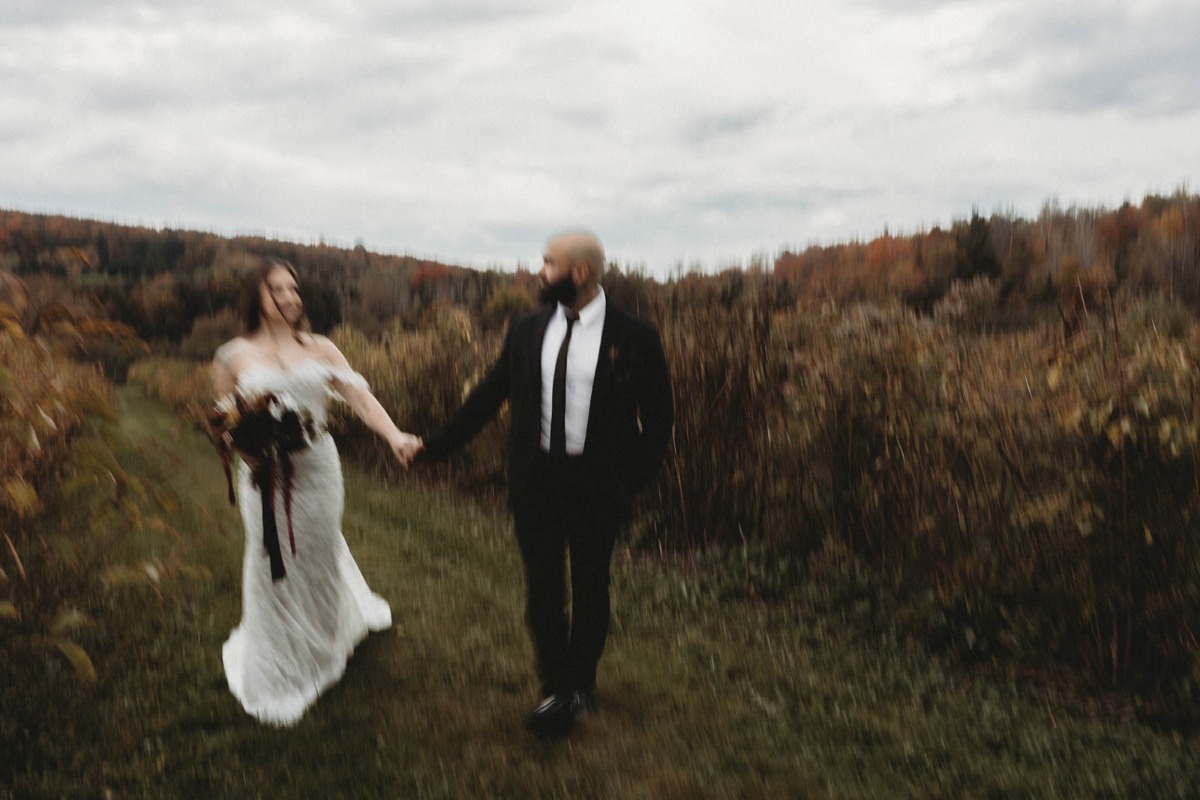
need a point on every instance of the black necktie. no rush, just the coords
(558, 408)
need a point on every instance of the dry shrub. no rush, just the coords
(1128, 395)
(967, 305)
(929, 456)
(183, 385)
(1030, 501)
(858, 424)
(208, 333)
(44, 399)
(711, 490)
(64, 495)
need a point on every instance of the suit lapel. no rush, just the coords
(602, 380)
(534, 353)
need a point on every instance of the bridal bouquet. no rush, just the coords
(265, 431)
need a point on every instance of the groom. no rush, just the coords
(591, 414)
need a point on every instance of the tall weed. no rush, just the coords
(1031, 499)
(712, 488)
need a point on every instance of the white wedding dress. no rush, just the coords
(297, 633)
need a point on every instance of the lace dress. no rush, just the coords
(296, 634)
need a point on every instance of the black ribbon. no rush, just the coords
(264, 479)
(272, 442)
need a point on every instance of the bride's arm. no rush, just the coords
(405, 446)
(224, 381)
(222, 378)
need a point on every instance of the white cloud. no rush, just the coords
(683, 132)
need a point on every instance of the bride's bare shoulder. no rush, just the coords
(235, 348)
(329, 352)
(324, 346)
(316, 339)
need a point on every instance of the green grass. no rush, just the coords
(701, 695)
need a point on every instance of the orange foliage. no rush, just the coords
(427, 273)
(1117, 230)
(1170, 224)
(888, 251)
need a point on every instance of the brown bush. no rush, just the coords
(1038, 501)
(44, 399)
(713, 484)
(183, 385)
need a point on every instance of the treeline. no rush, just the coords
(172, 284)
(163, 283)
(1063, 257)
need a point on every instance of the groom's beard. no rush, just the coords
(562, 291)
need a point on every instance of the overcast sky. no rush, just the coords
(700, 133)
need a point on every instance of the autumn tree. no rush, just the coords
(976, 256)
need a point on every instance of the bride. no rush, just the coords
(305, 604)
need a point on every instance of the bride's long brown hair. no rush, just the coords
(252, 307)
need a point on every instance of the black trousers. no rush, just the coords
(560, 518)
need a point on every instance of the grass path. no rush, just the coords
(701, 696)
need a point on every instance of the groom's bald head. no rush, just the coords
(581, 247)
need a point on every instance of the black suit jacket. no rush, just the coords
(629, 421)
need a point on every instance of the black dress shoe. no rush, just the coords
(552, 719)
(583, 704)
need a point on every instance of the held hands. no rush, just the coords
(406, 447)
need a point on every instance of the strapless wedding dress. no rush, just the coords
(296, 634)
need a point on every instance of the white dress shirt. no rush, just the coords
(582, 356)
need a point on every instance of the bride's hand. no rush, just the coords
(405, 447)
